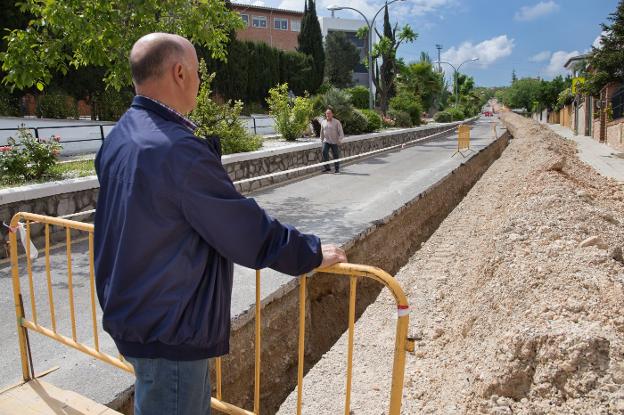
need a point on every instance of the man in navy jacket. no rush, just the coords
(169, 225)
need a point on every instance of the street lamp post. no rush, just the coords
(456, 73)
(371, 99)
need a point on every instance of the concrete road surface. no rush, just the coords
(334, 207)
(85, 137)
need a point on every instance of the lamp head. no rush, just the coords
(333, 8)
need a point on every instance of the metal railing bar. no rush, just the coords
(31, 285)
(352, 297)
(257, 346)
(49, 277)
(301, 351)
(70, 283)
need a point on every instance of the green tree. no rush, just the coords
(386, 49)
(514, 77)
(522, 93)
(608, 60)
(422, 80)
(341, 56)
(64, 34)
(311, 43)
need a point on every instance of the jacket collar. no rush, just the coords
(163, 110)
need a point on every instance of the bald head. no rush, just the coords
(153, 54)
(165, 68)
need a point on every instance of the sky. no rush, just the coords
(532, 37)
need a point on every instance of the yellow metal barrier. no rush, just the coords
(463, 139)
(24, 324)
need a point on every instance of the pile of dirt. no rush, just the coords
(517, 299)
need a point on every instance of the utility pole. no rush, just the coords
(439, 48)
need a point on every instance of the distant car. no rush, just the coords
(487, 113)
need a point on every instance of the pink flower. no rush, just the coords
(4, 149)
(56, 138)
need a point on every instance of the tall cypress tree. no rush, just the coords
(311, 43)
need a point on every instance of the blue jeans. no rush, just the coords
(335, 155)
(167, 387)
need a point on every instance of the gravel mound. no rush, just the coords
(517, 299)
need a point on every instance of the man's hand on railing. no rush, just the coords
(332, 254)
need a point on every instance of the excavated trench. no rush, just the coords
(388, 244)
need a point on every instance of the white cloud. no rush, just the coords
(488, 51)
(528, 13)
(400, 10)
(540, 57)
(421, 7)
(557, 60)
(252, 2)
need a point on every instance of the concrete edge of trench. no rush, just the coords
(388, 244)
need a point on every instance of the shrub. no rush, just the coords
(409, 103)
(292, 116)
(56, 104)
(442, 116)
(338, 100)
(110, 105)
(28, 158)
(359, 96)
(221, 120)
(325, 86)
(456, 113)
(374, 120)
(356, 124)
(401, 118)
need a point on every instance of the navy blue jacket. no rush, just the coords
(169, 225)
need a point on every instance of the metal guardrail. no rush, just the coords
(37, 130)
(22, 222)
(252, 123)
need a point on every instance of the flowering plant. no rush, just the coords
(28, 158)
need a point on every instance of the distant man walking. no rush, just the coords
(331, 137)
(168, 227)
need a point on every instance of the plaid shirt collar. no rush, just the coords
(174, 114)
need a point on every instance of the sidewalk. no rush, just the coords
(604, 159)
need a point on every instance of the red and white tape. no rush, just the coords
(402, 310)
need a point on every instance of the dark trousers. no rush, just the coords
(335, 155)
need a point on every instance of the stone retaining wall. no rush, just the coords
(77, 195)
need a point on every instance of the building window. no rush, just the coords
(280, 24)
(259, 21)
(295, 25)
(245, 18)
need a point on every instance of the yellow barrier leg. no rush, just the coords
(257, 346)
(352, 290)
(302, 302)
(19, 313)
(398, 367)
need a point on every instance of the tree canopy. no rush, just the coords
(607, 61)
(311, 43)
(78, 33)
(341, 56)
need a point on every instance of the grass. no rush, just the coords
(61, 171)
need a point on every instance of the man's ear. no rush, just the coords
(178, 73)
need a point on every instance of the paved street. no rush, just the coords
(335, 207)
(90, 130)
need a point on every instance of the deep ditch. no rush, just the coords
(388, 244)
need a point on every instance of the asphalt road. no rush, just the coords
(334, 207)
(73, 138)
